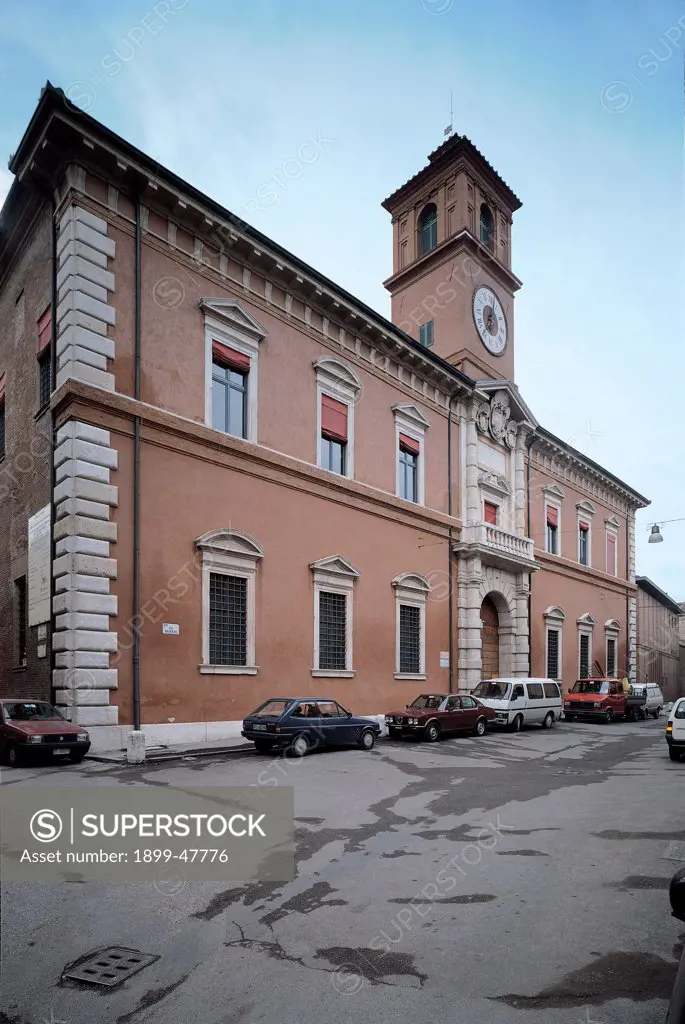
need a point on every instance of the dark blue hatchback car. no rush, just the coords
(301, 724)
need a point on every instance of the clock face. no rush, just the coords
(490, 321)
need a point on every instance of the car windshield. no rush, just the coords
(272, 709)
(428, 700)
(493, 689)
(29, 712)
(679, 711)
(590, 686)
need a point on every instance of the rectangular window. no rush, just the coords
(426, 334)
(20, 620)
(584, 656)
(611, 554)
(552, 535)
(535, 691)
(230, 371)
(44, 382)
(332, 631)
(490, 512)
(553, 654)
(410, 638)
(409, 468)
(551, 690)
(584, 543)
(227, 619)
(611, 656)
(333, 441)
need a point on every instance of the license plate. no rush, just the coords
(61, 750)
(260, 728)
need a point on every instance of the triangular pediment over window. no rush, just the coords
(587, 507)
(553, 491)
(232, 315)
(586, 620)
(412, 413)
(335, 565)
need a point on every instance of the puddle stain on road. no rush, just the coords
(375, 965)
(633, 882)
(636, 976)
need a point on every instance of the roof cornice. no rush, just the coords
(548, 443)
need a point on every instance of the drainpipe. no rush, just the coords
(53, 420)
(136, 740)
(628, 660)
(531, 442)
(450, 564)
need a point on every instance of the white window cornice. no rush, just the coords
(229, 323)
(411, 415)
(229, 315)
(229, 553)
(338, 375)
(612, 523)
(553, 491)
(585, 508)
(554, 612)
(587, 621)
(612, 626)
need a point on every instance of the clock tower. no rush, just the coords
(452, 286)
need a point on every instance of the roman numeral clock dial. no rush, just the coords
(490, 320)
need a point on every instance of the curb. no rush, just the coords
(168, 755)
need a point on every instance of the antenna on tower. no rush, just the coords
(450, 127)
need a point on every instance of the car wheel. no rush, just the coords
(673, 754)
(76, 758)
(481, 726)
(299, 746)
(548, 720)
(657, 713)
(432, 732)
(367, 739)
(517, 724)
(608, 716)
(263, 746)
(13, 755)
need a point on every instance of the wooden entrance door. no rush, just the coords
(489, 638)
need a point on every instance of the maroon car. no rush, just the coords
(35, 727)
(433, 714)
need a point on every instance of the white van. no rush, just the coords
(520, 702)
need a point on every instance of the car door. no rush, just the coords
(334, 723)
(519, 702)
(616, 699)
(470, 713)
(450, 716)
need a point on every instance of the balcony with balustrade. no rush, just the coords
(498, 547)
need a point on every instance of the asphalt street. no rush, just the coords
(513, 878)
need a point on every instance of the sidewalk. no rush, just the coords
(234, 747)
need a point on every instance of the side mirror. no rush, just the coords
(349, 714)
(677, 894)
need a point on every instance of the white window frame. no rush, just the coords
(338, 381)
(335, 575)
(229, 322)
(585, 510)
(612, 631)
(611, 529)
(410, 420)
(411, 589)
(230, 553)
(586, 625)
(554, 619)
(553, 496)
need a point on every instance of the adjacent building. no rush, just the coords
(225, 478)
(658, 638)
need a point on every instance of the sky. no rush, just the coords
(578, 105)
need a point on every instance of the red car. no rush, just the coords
(36, 727)
(433, 714)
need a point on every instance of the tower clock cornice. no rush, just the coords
(464, 242)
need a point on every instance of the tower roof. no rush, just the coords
(447, 153)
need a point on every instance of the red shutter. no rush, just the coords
(552, 516)
(229, 357)
(490, 513)
(611, 554)
(2, 387)
(410, 444)
(584, 527)
(333, 419)
(44, 330)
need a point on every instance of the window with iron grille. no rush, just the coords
(611, 656)
(553, 654)
(44, 389)
(410, 638)
(227, 619)
(332, 631)
(584, 667)
(20, 613)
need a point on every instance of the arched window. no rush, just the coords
(487, 227)
(428, 229)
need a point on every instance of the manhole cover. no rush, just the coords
(111, 966)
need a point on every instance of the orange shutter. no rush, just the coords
(229, 357)
(490, 513)
(410, 444)
(552, 516)
(333, 419)
(44, 330)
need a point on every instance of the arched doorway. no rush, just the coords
(489, 639)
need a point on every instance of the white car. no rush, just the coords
(675, 730)
(655, 698)
(520, 702)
